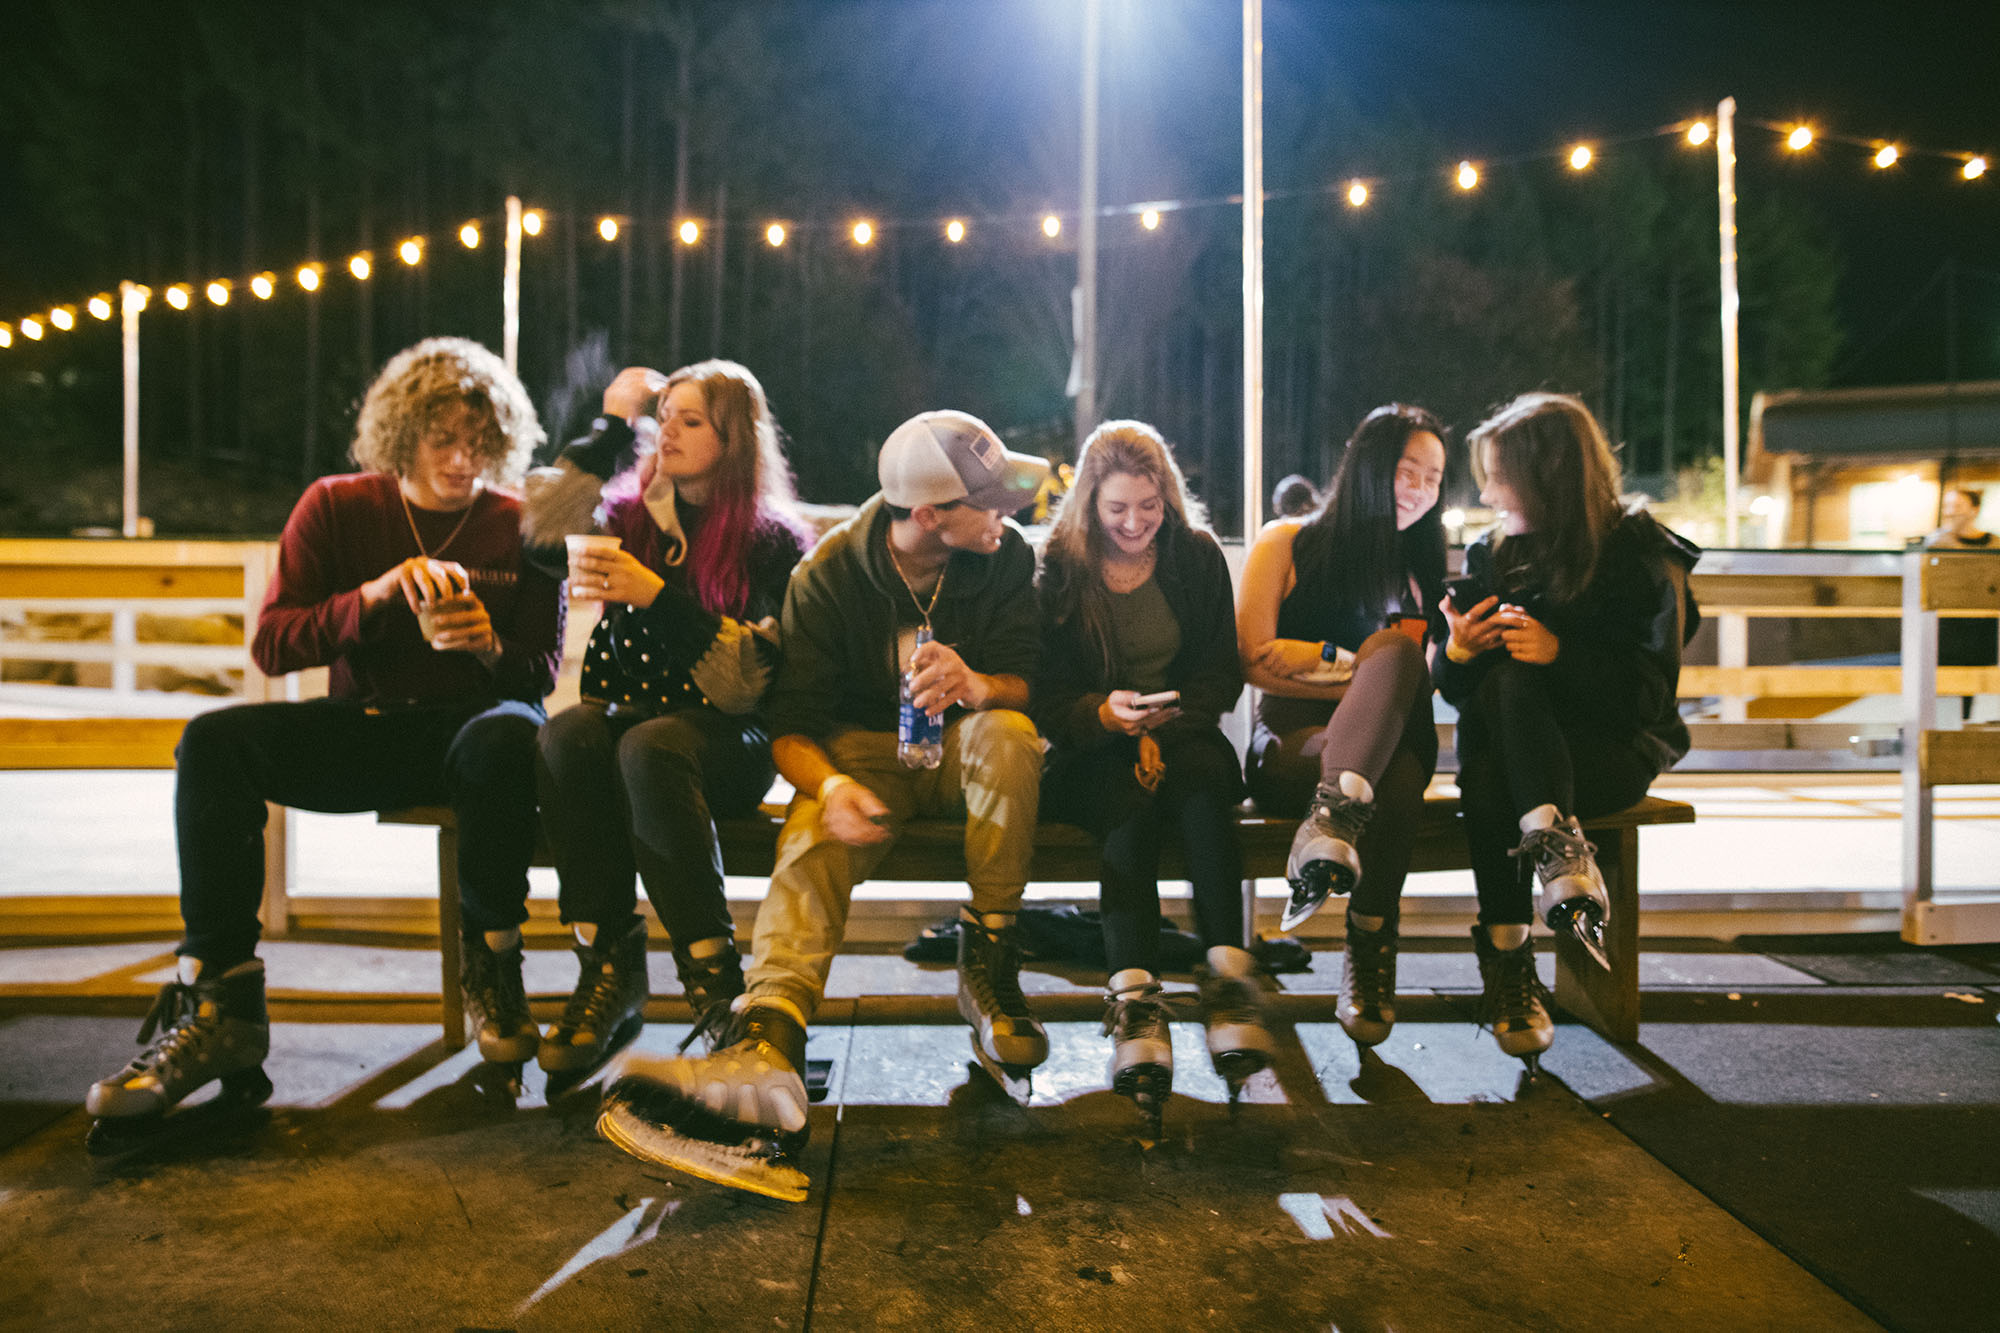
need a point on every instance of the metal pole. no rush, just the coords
(510, 289)
(1086, 251)
(1253, 267)
(131, 300)
(1725, 194)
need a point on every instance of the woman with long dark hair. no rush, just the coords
(1138, 667)
(1564, 663)
(1332, 627)
(667, 735)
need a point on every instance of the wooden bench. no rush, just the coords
(933, 850)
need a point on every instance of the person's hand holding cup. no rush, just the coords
(457, 623)
(591, 557)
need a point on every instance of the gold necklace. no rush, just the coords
(922, 610)
(432, 555)
(1131, 574)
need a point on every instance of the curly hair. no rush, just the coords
(421, 382)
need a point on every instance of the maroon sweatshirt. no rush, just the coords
(347, 530)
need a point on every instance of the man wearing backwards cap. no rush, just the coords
(933, 547)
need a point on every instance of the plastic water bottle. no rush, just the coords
(919, 736)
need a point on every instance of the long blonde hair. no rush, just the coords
(1554, 456)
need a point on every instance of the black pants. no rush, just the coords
(1517, 750)
(1096, 788)
(335, 756)
(1382, 729)
(624, 793)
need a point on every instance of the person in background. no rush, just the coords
(1294, 497)
(407, 580)
(1965, 641)
(1332, 627)
(1138, 667)
(668, 735)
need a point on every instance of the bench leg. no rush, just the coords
(1608, 1001)
(449, 948)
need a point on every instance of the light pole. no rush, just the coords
(1086, 246)
(1253, 268)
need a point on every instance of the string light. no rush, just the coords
(1357, 194)
(1697, 134)
(1886, 156)
(218, 292)
(411, 252)
(1800, 138)
(863, 233)
(954, 231)
(531, 222)
(309, 277)
(6, 335)
(263, 285)
(178, 296)
(32, 328)
(468, 235)
(1974, 168)
(100, 306)
(607, 227)
(690, 232)
(360, 267)
(1579, 157)
(63, 318)
(774, 235)
(136, 297)
(1150, 219)
(1051, 226)
(1468, 176)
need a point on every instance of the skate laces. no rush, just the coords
(176, 1017)
(1229, 1000)
(1557, 851)
(1371, 966)
(1338, 815)
(595, 998)
(996, 977)
(1513, 988)
(498, 990)
(710, 984)
(1137, 1012)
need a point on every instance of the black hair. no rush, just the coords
(1371, 561)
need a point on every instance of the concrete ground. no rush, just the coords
(392, 1184)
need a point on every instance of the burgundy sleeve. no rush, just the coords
(307, 620)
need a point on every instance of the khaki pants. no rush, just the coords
(991, 775)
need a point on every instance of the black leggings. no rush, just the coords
(1518, 750)
(1383, 730)
(1097, 789)
(336, 756)
(623, 793)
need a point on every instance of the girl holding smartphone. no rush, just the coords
(1331, 628)
(1565, 672)
(1137, 670)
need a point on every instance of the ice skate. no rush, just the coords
(606, 1010)
(1367, 1009)
(1511, 1006)
(735, 1117)
(1323, 860)
(496, 1006)
(711, 983)
(1573, 899)
(209, 1028)
(1239, 1045)
(1006, 1039)
(1142, 1052)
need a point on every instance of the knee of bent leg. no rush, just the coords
(574, 731)
(1393, 650)
(998, 737)
(498, 746)
(210, 741)
(1507, 685)
(663, 747)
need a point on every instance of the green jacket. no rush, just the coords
(846, 604)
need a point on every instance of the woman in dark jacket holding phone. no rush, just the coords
(1564, 663)
(1138, 667)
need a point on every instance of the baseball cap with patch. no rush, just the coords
(936, 458)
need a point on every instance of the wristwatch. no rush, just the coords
(1327, 652)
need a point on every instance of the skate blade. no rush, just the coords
(749, 1166)
(1017, 1083)
(1592, 939)
(237, 1106)
(1238, 1068)
(1320, 880)
(562, 1082)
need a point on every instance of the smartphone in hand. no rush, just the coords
(1163, 699)
(1466, 593)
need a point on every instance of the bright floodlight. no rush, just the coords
(1974, 168)
(263, 285)
(32, 327)
(100, 306)
(218, 292)
(1357, 194)
(690, 232)
(360, 267)
(1579, 157)
(608, 228)
(531, 222)
(309, 277)
(774, 234)
(1886, 155)
(1150, 219)
(468, 235)
(178, 296)
(411, 251)
(1697, 133)
(863, 233)
(63, 318)
(1800, 137)
(1468, 176)
(954, 231)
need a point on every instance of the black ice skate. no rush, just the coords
(209, 1027)
(1323, 859)
(1006, 1039)
(1367, 1009)
(1239, 1045)
(1142, 1051)
(1511, 1004)
(736, 1117)
(1573, 899)
(496, 1007)
(711, 984)
(606, 1010)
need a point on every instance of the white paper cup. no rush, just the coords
(580, 542)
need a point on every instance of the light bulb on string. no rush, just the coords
(607, 227)
(411, 252)
(31, 328)
(63, 318)
(1468, 176)
(1150, 219)
(1357, 194)
(1697, 134)
(263, 285)
(468, 236)
(863, 233)
(1580, 157)
(774, 235)
(309, 277)
(1974, 168)
(690, 232)
(1886, 156)
(218, 292)
(100, 306)
(1800, 138)
(136, 297)
(1051, 226)
(531, 222)
(360, 266)
(178, 296)
(6, 335)
(954, 231)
